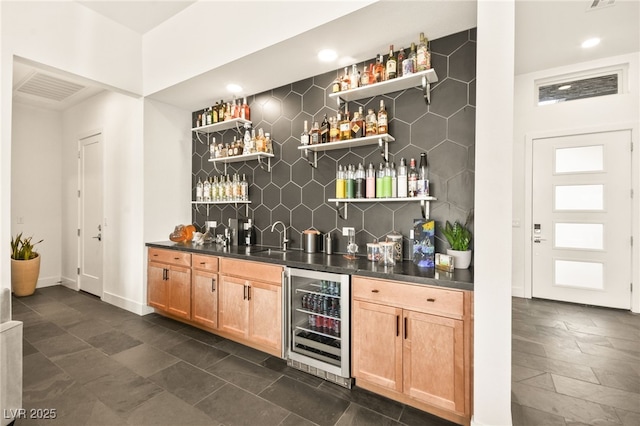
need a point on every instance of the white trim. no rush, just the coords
(126, 304)
(47, 282)
(633, 128)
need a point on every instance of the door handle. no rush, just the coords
(98, 237)
(213, 285)
(538, 239)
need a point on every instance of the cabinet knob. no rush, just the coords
(203, 263)
(431, 300)
(375, 291)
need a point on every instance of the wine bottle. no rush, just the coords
(400, 60)
(199, 190)
(423, 54)
(423, 176)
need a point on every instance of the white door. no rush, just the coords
(91, 227)
(581, 237)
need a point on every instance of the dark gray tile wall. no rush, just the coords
(297, 194)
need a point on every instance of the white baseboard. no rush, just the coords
(126, 304)
(517, 291)
(48, 282)
(71, 283)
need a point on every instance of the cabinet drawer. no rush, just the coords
(204, 263)
(415, 297)
(172, 257)
(251, 270)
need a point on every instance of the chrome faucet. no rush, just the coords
(285, 240)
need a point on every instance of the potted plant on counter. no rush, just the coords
(25, 266)
(459, 237)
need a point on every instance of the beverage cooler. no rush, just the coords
(318, 324)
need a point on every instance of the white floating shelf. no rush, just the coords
(350, 143)
(222, 125)
(243, 157)
(388, 86)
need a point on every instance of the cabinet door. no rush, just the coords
(376, 349)
(179, 287)
(232, 305)
(156, 286)
(434, 360)
(204, 298)
(265, 314)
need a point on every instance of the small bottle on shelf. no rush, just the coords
(371, 182)
(392, 65)
(410, 64)
(371, 123)
(423, 54)
(386, 181)
(378, 70)
(304, 138)
(345, 82)
(354, 78)
(212, 148)
(400, 60)
(360, 182)
(402, 179)
(334, 131)
(394, 181)
(365, 77)
(340, 182)
(324, 130)
(314, 136)
(199, 190)
(336, 86)
(379, 178)
(382, 119)
(350, 182)
(412, 179)
(357, 124)
(269, 143)
(345, 126)
(244, 188)
(246, 110)
(206, 191)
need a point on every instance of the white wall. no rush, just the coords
(619, 111)
(73, 39)
(35, 184)
(119, 119)
(492, 279)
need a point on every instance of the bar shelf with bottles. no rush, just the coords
(422, 78)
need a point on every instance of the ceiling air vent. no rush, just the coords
(49, 87)
(599, 4)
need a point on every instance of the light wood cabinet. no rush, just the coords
(250, 304)
(169, 282)
(204, 291)
(412, 343)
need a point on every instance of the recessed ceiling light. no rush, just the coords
(565, 87)
(234, 88)
(327, 55)
(590, 42)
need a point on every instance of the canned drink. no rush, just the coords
(312, 322)
(336, 328)
(325, 303)
(332, 288)
(329, 325)
(325, 286)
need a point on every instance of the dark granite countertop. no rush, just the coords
(407, 271)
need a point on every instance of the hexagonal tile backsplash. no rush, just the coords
(297, 194)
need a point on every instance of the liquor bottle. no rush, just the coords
(304, 138)
(335, 87)
(360, 182)
(423, 54)
(246, 110)
(232, 108)
(314, 135)
(199, 190)
(378, 70)
(354, 77)
(221, 111)
(379, 178)
(412, 179)
(214, 113)
(392, 65)
(199, 120)
(334, 131)
(212, 149)
(350, 180)
(357, 124)
(382, 119)
(254, 140)
(402, 179)
(324, 130)
(260, 145)
(386, 181)
(248, 146)
(372, 76)
(371, 182)
(269, 143)
(423, 176)
(340, 182)
(365, 77)
(371, 123)
(394, 181)
(208, 116)
(411, 63)
(244, 188)
(401, 59)
(345, 83)
(345, 126)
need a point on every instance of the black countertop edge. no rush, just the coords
(461, 279)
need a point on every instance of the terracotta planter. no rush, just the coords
(24, 276)
(462, 259)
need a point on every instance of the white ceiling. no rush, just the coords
(548, 34)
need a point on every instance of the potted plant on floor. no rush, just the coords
(459, 237)
(25, 266)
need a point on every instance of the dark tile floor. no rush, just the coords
(96, 364)
(574, 365)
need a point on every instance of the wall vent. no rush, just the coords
(49, 87)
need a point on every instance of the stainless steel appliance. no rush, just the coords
(318, 323)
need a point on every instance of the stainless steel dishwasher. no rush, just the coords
(318, 323)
